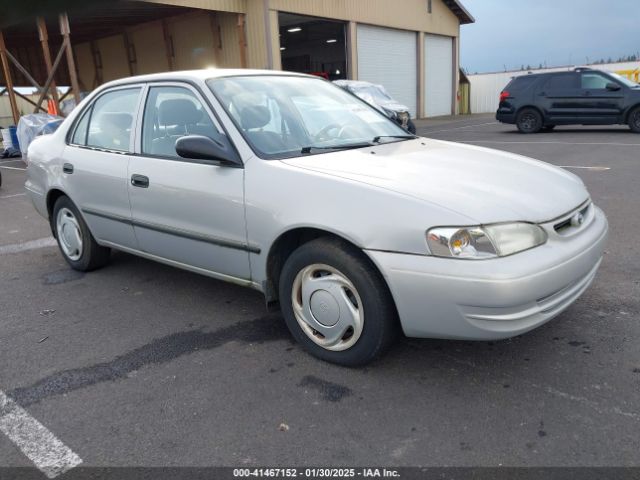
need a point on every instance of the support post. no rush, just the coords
(44, 41)
(131, 53)
(9, 81)
(242, 40)
(168, 45)
(65, 30)
(217, 39)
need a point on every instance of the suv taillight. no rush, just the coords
(504, 95)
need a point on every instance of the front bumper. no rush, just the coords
(496, 298)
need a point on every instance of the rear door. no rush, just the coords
(186, 211)
(601, 105)
(561, 98)
(96, 164)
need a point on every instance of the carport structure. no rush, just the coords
(91, 44)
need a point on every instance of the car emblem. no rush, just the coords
(577, 220)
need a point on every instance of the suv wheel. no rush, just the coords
(634, 120)
(76, 243)
(529, 120)
(336, 304)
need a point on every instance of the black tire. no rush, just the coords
(92, 255)
(529, 120)
(380, 324)
(548, 128)
(411, 127)
(634, 120)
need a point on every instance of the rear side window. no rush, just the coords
(111, 120)
(563, 81)
(521, 83)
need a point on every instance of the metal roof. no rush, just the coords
(462, 13)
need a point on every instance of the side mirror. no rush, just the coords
(613, 87)
(199, 147)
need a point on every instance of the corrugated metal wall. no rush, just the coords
(486, 87)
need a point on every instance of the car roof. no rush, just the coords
(200, 75)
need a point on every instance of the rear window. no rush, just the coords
(520, 83)
(564, 81)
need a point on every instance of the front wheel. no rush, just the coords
(76, 243)
(634, 120)
(529, 120)
(336, 304)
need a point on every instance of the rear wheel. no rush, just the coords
(336, 303)
(76, 243)
(529, 120)
(634, 120)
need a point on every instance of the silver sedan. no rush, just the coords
(286, 184)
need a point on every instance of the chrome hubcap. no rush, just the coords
(327, 307)
(69, 234)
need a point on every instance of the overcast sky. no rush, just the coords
(560, 32)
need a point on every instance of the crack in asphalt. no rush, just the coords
(159, 351)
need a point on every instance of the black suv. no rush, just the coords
(583, 96)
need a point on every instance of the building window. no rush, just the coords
(429, 6)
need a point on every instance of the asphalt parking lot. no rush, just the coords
(140, 364)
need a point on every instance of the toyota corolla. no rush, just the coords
(286, 184)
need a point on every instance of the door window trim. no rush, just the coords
(89, 110)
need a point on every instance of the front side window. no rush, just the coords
(111, 120)
(171, 113)
(288, 116)
(594, 81)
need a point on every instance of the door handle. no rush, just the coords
(67, 168)
(139, 181)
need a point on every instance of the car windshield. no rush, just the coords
(289, 116)
(625, 80)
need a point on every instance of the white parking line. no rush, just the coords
(596, 169)
(30, 245)
(12, 168)
(553, 143)
(48, 454)
(460, 128)
(12, 160)
(14, 195)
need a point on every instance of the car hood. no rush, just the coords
(482, 184)
(394, 106)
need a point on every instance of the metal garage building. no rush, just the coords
(410, 46)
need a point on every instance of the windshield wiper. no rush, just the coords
(346, 146)
(380, 137)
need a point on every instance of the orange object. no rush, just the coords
(51, 107)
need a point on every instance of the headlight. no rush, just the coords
(488, 241)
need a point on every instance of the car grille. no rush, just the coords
(574, 222)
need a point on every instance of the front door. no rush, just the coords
(97, 162)
(602, 105)
(187, 212)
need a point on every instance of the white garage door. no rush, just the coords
(388, 57)
(438, 64)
